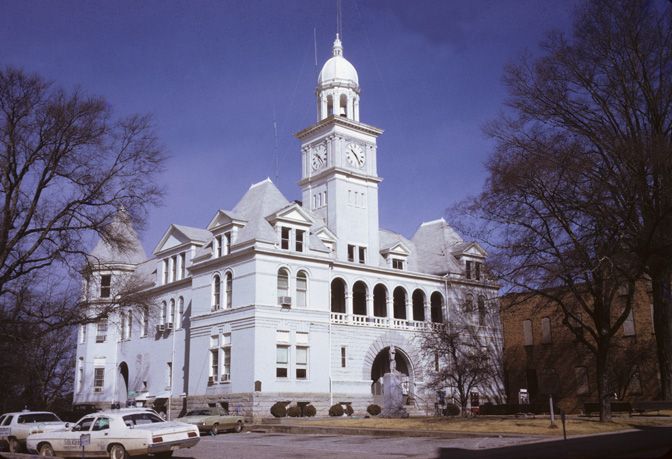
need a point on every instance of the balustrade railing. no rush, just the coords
(381, 322)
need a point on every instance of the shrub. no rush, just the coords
(451, 410)
(349, 410)
(336, 410)
(373, 409)
(279, 410)
(309, 410)
(293, 411)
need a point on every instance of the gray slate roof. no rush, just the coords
(389, 239)
(434, 243)
(194, 234)
(261, 200)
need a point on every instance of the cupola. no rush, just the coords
(338, 87)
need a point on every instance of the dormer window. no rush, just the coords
(473, 269)
(351, 252)
(284, 238)
(397, 264)
(218, 246)
(362, 255)
(299, 240)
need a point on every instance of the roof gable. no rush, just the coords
(223, 218)
(293, 213)
(177, 235)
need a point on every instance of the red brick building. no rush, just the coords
(542, 355)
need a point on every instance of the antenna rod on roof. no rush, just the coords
(315, 45)
(339, 19)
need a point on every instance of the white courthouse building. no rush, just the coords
(277, 300)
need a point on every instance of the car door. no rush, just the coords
(100, 436)
(67, 443)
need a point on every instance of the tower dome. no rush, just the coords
(338, 87)
(338, 70)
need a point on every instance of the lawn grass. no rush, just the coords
(492, 424)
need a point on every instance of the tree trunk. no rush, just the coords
(603, 392)
(662, 325)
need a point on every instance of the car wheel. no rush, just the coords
(45, 449)
(14, 445)
(118, 452)
(239, 427)
(214, 430)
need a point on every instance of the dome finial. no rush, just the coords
(338, 47)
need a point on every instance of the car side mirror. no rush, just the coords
(67, 425)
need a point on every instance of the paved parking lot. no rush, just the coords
(276, 445)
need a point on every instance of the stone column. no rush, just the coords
(428, 311)
(409, 309)
(390, 310)
(369, 306)
(348, 306)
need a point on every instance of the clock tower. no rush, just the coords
(339, 176)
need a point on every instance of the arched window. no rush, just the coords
(436, 301)
(418, 305)
(164, 312)
(123, 325)
(283, 282)
(343, 105)
(179, 318)
(229, 290)
(399, 300)
(129, 324)
(338, 296)
(330, 105)
(216, 292)
(359, 298)
(301, 289)
(481, 310)
(171, 316)
(380, 301)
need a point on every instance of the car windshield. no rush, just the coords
(137, 419)
(199, 413)
(37, 417)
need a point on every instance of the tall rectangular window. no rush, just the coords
(165, 271)
(145, 321)
(301, 290)
(101, 330)
(281, 361)
(301, 362)
(527, 333)
(343, 359)
(299, 240)
(468, 269)
(477, 271)
(219, 245)
(436, 361)
(82, 333)
(214, 364)
(629, 325)
(362, 254)
(80, 375)
(173, 268)
(546, 330)
(105, 285)
(581, 379)
(284, 238)
(169, 374)
(183, 268)
(98, 379)
(351, 252)
(227, 243)
(225, 374)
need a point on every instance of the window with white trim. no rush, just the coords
(527, 333)
(214, 359)
(98, 379)
(343, 357)
(283, 282)
(281, 361)
(351, 252)
(183, 267)
(301, 362)
(229, 289)
(105, 285)
(284, 237)
(80, 374)
(164, 313)
(216, 292)
(299, 242)
(123, 325)
(397, 264)
(171, 312)
(82, 333)
(101, 330)
(173, 268)
(301, 289)
(179, 318)
(225, 350)
(362, 254)
(145, 322)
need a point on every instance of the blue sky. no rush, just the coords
(215, 75)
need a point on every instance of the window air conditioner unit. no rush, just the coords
(160, 327)
(169, 326)
(100, 338)
(211, 379)
(97, 389)
(224, 378)
(285, 301)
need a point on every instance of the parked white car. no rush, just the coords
(117, 434)
(15, 427)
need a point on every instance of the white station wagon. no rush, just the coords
(117, 434)
(15, 427)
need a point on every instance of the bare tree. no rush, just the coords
(68, 170)
(468, 354)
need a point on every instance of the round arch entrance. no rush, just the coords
(381, 365)
(122, 383)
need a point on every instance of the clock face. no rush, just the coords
(355, 155)
(319, 158)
